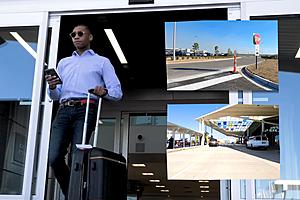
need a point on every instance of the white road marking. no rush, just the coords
(184, 78)
(208, 83)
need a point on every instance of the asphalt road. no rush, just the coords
(184, 70)
(215, 163)
(210, 75)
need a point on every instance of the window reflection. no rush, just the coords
(17, 62)
(106, 134)
(17, 70)
(263, 189)
(148, 120)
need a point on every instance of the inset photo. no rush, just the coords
(217, 142)
(222, 55)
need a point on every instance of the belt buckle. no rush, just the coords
(70, 103)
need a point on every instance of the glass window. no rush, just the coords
(264, 189)
(265, 98)
(243, 189)
(148, 119)
(293, 192)
(106, 134)
(17, 55)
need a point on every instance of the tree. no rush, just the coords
(195, 46)
(217, 50)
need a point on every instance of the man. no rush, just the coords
(80, 72)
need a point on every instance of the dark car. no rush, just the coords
(213, 142)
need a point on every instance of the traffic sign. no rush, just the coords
(256, 38)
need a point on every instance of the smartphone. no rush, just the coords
(53, 72)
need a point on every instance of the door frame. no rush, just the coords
(122, 118)
(54, 23)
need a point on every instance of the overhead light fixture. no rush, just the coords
(154, 181)
(204, 191)
(160, 186)
(24, 44)
(138, 165)
(147, 174)
(298, 53)
(204, 186)
(203, 181)
(113, 40)
(165, 190)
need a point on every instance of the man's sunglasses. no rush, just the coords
(79, 33)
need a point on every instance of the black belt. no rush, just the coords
(79, 102)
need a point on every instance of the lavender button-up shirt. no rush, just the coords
(79, 73)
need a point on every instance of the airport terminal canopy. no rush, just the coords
(234, 120)
(182, 130)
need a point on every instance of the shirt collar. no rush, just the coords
(89, 51)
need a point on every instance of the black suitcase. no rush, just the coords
(97, 174)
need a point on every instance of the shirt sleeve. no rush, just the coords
(55, 94)
(111, 81)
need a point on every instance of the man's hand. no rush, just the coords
(100, 91)
(52, 81)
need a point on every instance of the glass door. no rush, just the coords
(21, 65)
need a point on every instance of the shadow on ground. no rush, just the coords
(269, 154)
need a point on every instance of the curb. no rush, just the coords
(259, 80)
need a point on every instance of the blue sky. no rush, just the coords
(236, 35)
(17, 70)
(185, 115)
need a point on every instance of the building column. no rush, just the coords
(173, 135)
(202, 130)
(262, 127)
(183, 139)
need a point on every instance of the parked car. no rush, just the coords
(169, 52)
(258, 142)
(213, 142)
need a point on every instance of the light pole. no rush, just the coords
(174, 41)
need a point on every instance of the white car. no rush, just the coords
(258, 141)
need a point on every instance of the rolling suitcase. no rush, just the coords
(97, 174)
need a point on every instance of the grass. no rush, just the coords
(267, 69)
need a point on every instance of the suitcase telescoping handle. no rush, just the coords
(91, 91)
